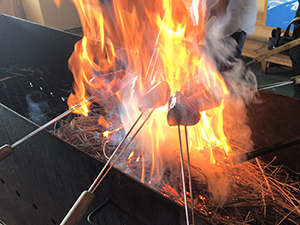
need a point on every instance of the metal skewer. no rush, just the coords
(86, 198)
(156, 49)
(294, 80)
(183, 178)
(189, 174)
(182, 112)
(99, 178)
(273, 85)
(6, 150)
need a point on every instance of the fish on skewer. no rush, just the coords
(157, 96)
(182, 112)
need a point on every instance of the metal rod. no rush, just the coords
(278, 84)
(154, 53)
(263, 151)
(90, 217)
(86, 198)
(51, 122)
(115, 151)
(189, 174)
(156, 49)
(99, 178)
(183, 178)
(154, 63)
(265, 87)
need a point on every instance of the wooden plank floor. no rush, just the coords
(254, 48)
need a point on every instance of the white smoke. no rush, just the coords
(38, 109)
(239, 81)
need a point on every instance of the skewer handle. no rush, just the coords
(79, 208)
(5, 151)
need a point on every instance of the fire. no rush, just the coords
(130, 156)
(124, 35)
(108, 133)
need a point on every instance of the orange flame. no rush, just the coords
(126, 33)
(108, 133)
(130, 156)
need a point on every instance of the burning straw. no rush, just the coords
(259, 193)
(251, 193)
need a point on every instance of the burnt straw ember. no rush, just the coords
(260, 193)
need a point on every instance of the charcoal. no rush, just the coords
(181, 111)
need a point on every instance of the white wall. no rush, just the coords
(46, 13)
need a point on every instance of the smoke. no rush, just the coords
(156, 151)
(38, 109)
(223, 51)
(239, 81)
(161, 153)
(157, 143)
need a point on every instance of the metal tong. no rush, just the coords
(182, 112)
(183, 177)
(84, 201)
(81, 205)
(7, 150)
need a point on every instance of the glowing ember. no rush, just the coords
(130, 156)
(171, 190)
(137, 159)
(108, 133)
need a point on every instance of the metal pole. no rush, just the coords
(156, 49)
(189, 174)
(115, 151)
(183, 178)
(86, 198)
(6, 150)
(99, 178)
(51, 121)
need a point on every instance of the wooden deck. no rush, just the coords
(254, 48)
